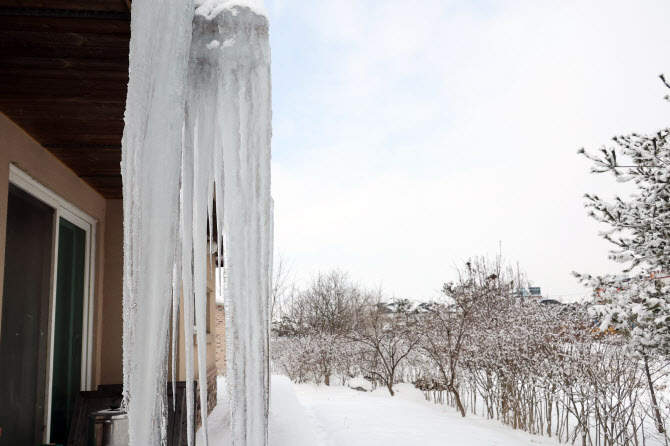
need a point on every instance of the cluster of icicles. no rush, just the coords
(196, 162)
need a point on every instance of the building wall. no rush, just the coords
(18, 148)
(220, 340)
(111, 361)
(211, 397)
(211, 346)
(211, 372)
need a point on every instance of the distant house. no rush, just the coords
(63, 80)
(528, 293)
(404, 305)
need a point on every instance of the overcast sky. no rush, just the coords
(411, 135)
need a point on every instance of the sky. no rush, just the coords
(411, 136)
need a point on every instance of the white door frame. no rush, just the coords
(79, 218)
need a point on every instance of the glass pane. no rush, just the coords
(68, 328)
(25, 303)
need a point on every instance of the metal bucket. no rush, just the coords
(108, 428)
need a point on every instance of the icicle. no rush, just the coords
(183, 147)
(176, 297)
(187, 267)
(238, 70)
(150, 167)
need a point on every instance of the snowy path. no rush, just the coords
(290, 423)
(351, 418)
(309, 415)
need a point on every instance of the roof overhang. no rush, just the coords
(63, 79)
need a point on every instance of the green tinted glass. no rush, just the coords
(68, 328)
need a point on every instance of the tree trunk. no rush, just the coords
(549, 406)
(457, 399)
(654, 402)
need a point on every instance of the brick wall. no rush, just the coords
(220, 341)
(220, 333)
(211, 397)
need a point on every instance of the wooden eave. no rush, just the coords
(63, 79)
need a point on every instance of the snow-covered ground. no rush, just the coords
(310, 415)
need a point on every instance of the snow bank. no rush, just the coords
(351, 418)
(359, 383)
(402, 391)
(312, 415)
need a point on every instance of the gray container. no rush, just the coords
(108, 428)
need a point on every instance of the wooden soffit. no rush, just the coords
(63, 79)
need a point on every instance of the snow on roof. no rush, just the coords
(409, 306)
(212, 8)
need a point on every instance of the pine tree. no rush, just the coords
(639, 227)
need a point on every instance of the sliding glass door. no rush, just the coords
(45, 342)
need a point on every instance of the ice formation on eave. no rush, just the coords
(212, 8)
(198, 126)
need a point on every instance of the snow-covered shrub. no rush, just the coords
(290, 356)
(312, 339)
(541, 368)
(471, 304)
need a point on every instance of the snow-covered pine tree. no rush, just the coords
(639, 227)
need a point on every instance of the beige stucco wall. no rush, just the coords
(111, 361)
(211, 344)
(17, 148)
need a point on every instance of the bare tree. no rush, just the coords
(331, 304)
(386, 338)
(283, 287)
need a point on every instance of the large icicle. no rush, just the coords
(151, 168)
(229, 106)
(174, 164)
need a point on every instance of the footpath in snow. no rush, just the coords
(310, 415)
